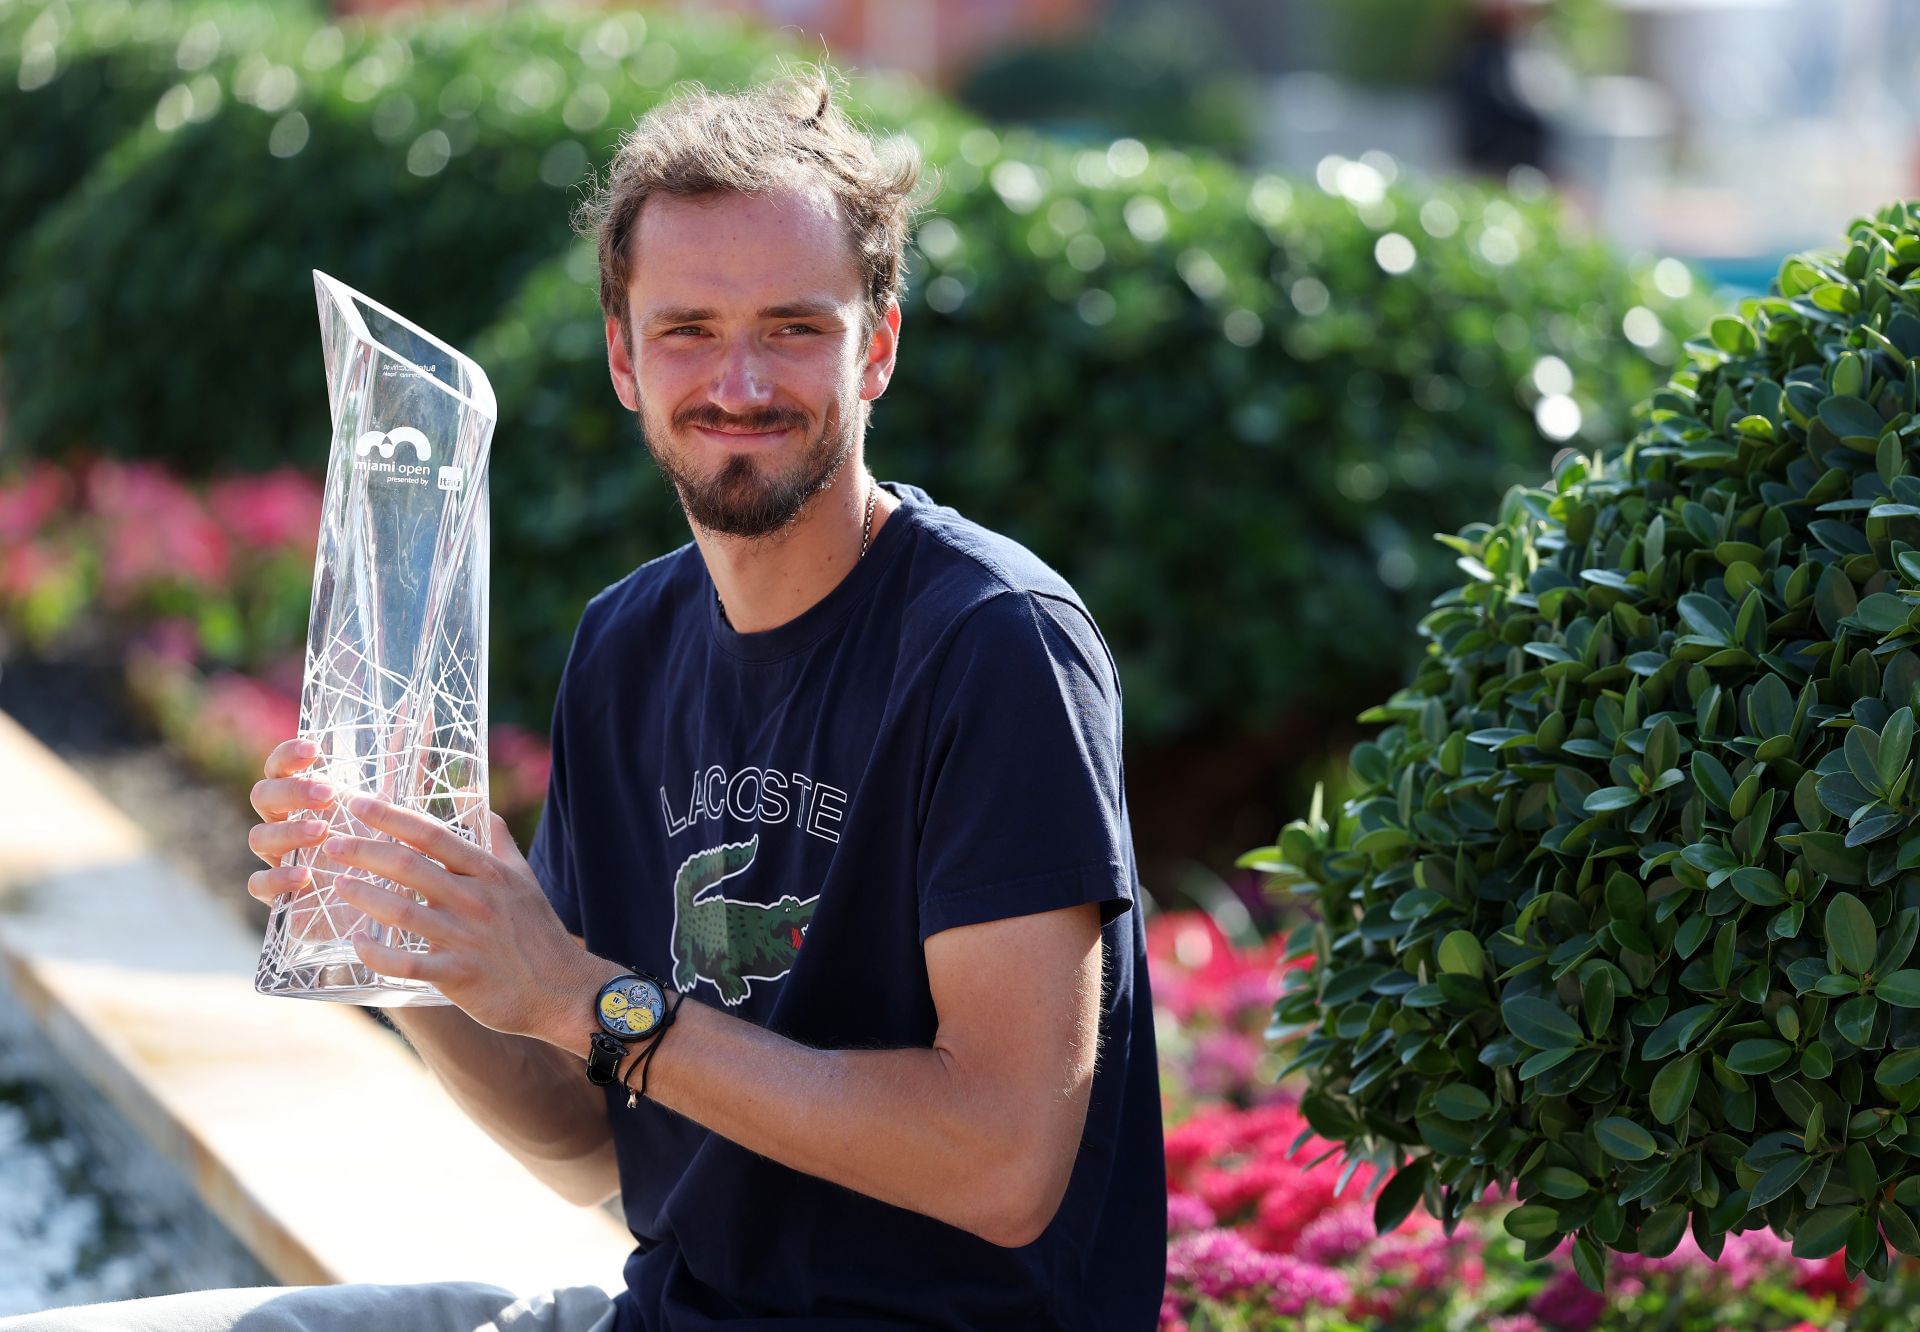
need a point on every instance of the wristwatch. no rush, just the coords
(627, 1007)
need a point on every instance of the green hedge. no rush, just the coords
(431, 165)
(75, 78)
(1243, 492)
(1197, 392)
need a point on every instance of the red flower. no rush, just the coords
(278, 510)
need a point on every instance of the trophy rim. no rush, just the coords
(344, 296)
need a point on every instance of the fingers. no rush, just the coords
(291, 756)
(272, 841)
(401, 963)
(503, 844)
(269, 884)
(421, 832)
(389, 908)
(276, 797)
(394, 861)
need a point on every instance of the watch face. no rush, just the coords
(630, 1006)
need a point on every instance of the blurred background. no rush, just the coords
(1224, 308)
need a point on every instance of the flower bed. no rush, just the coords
(1265, 1234)
(202, 591)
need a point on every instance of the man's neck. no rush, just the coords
(765, 581)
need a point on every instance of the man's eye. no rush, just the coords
(687, 328)
(799, 328)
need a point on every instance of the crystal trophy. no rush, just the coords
(395, 691)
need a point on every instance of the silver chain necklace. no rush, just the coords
(866, 535)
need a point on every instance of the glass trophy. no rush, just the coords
(395, 690)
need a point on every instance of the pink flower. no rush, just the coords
(1186, 1212)
(246, 714)
(155, 531)
(26, 568)
(1337, 1235)
(278, 510)
(1220, 1264)
(29, 500)
(1566, 1304)
(1514, 1323)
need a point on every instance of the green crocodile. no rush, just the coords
(726, 942)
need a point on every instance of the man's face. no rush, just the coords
(751, 364)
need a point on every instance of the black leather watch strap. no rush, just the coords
(604, 1053)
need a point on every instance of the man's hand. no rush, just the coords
(494, 945)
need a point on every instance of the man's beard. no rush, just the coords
(741, 499)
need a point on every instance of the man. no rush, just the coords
(843, 774)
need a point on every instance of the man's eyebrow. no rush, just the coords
(809, 307)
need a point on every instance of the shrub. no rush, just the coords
(75, 78)
(1624, 908)
(429, 164)
(1197, 393)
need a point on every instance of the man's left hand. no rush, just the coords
(495, 946)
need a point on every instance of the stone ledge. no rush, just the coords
(143, 982)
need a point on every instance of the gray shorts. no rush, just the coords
(434, 1306)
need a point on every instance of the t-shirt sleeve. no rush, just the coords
(1022, 805)
(551, 854)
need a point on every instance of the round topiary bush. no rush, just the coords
(1623, 906)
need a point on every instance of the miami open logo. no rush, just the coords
(385, 443)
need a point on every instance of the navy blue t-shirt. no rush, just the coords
(778, 821)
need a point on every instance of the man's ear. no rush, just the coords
(881, 348)
(620, 366)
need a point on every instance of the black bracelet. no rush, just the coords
(650, 1043)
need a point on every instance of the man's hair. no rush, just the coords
(783, 132)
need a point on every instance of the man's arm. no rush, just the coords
(980, 1131)
(522, 1091)
(530, 1096)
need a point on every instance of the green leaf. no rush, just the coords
(1623, 1139)
(1660, 1233)
(1778, 1178)
(1611, 797)
(1461, 952)
(1850, 932)
(1398, 1199)
(1898, 1069)
(1532, 1221)
(1851, 418)
(1706, 617)
(1673, 1088)
(1557, 1182)
(1731, 335)
(1823, 1232)
(1758, 1056)
(1712, 778)
(1462, 1101)
(1541, 1024)
(1854, 1019)
(1900, 988)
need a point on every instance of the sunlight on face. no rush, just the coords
(748, 338)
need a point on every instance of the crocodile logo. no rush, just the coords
(727, 942)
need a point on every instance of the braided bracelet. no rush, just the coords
(645, 1057)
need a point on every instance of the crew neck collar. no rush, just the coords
(810, 624)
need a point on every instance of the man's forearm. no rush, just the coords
(529, 1096)
(897, 1125)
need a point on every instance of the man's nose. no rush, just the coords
(742, 383)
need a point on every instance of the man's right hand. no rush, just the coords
(276, 797)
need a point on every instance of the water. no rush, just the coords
(88, 1210)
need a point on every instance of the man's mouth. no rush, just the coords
(742, 436)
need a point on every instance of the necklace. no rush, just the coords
(866, 535)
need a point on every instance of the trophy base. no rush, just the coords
(333, 972)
